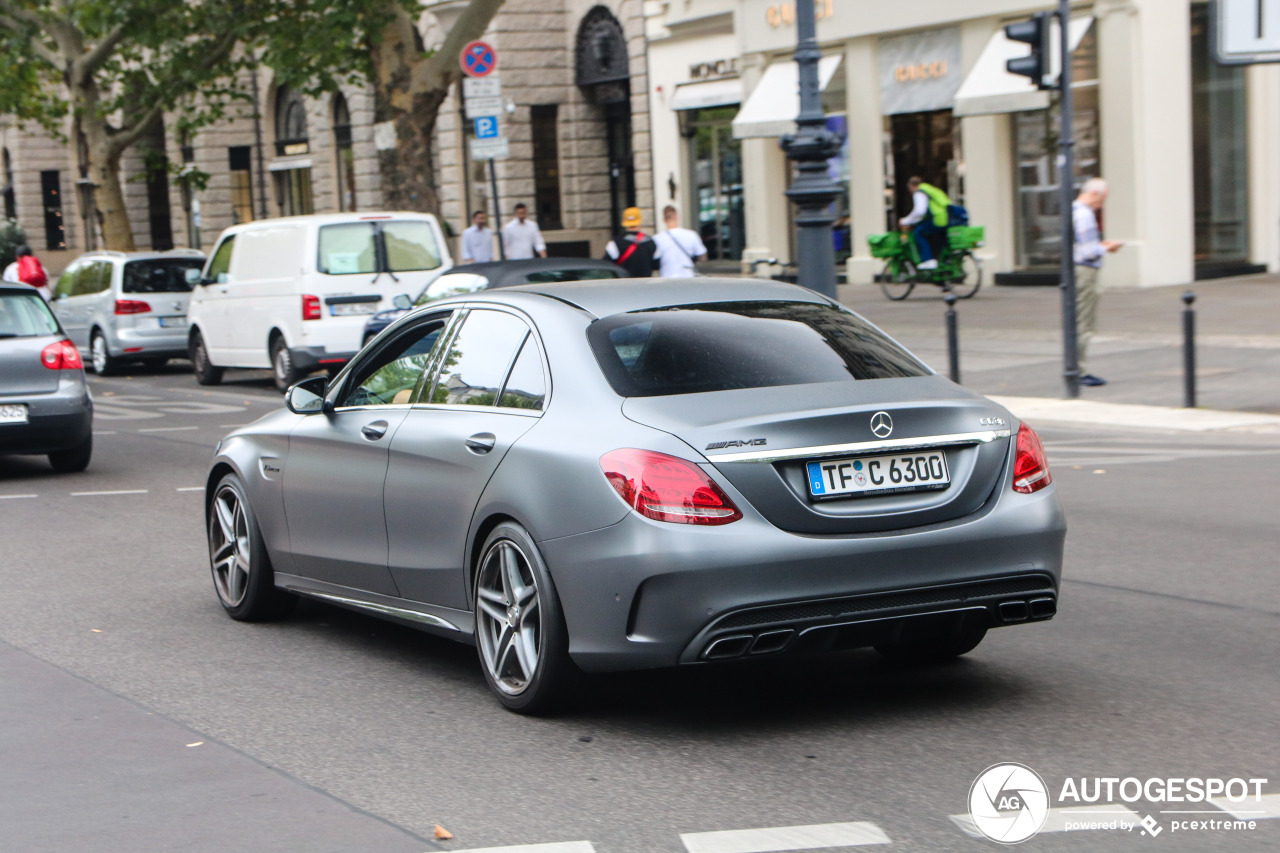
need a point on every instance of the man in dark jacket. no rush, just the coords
(631, 249)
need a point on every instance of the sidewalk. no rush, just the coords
(1011, 348)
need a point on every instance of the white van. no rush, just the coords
(293, 294)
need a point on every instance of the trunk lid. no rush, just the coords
(21, 371)
(760, 440)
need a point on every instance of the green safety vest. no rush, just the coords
(938, 202)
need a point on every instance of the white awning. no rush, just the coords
(284, 164)
(772, 108)
(707, 93)
(990, 88)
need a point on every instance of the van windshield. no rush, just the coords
(352, 248)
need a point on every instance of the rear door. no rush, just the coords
(488, 391)
(75, 311)
(337, 464)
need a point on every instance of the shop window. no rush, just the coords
(55, 236)
(716, 182)
(241, 164)
(546, 166)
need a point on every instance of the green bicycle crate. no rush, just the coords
(885, 245)
(965, 236)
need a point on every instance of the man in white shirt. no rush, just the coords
(678, 248)
(521, 238)
(477, 241)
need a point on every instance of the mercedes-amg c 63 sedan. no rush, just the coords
(602, 476)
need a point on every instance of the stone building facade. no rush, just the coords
(574, 81)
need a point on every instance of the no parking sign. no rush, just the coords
(478, 59)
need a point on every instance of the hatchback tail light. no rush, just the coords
(61, 356)
(310, 307)
(666, 488)
(132, 306)
(1030, 466)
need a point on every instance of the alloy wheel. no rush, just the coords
(98, 352)
(508, 617)
(229, 547)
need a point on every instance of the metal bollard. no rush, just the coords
(1189, 351)
(953, 341)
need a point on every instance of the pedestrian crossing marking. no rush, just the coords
(785, 838)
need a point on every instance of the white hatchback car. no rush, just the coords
(293, 294)
(121, 307)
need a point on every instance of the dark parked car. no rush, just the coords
(45, 407)
(607, 476)
(471, 278)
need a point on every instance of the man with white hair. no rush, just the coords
(1090, 249)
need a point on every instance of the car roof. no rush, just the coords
(110, 255)
(330, 219)
(8, 288)
(604, 297)
(500, 273)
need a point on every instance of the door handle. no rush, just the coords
(375, 430)
(481, 443)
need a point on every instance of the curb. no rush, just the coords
(1140, 417)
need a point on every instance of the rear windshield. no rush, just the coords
(723, 346)
(160, 275)
(25, 316)
(404, 245)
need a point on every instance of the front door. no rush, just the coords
(337, 465)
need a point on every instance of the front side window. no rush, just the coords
(220, 266)
(478, 359)
(160, 275)
(691, 349)
(348, 248)
(25, 316)
(389, 377)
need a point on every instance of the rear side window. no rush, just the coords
(159, 275)
(478, 359)
(67, 281)
(410, 245)
(348, 248)
(526, 387)
(94, 277)
(25, 316)
(692, 349)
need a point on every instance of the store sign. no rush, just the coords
(919, 72)
(713, 70)
(784, 14)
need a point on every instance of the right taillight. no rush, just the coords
(667, 488)
(310, 307)
(1030, 466)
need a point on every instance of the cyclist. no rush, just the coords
(929, 216)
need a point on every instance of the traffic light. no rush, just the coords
(1035, 32)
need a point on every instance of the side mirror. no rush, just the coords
(307, 397)
(193, 277)
(402, 301)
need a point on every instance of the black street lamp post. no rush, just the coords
(810, 147)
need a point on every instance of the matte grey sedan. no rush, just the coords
(602, 476)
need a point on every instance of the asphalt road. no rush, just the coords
(137, 717)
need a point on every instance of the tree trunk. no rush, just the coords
(408, 170)
(103, 170)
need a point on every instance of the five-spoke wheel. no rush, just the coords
(242, 573)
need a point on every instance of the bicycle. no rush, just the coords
(958, 271)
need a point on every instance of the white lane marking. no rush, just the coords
(780, 838)
(554, 847)
(1266, 807)
(115, 492)
(191, 489)
(108, 432)
(16, 497)
(1108, 816)
(231, 426)
(168, 429)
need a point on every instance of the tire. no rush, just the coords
(75, 459)
(100, 358)
(520, 626)
(283, 370)
(897, 283)
(966, 287)
(242, 574)
(205, 371)
(935, 649)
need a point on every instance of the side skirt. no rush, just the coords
(455, 624)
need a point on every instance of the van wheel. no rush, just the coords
(282, 367)
(100, 355)
(206, 373)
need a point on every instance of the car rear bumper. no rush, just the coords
(644, 594)
(308, 359)
(150, 343)
(57, 421)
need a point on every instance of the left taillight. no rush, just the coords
(667, 488)
(61, 356)
(310, 307)
(1031, 465)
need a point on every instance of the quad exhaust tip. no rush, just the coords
(1014, 611)
(738, 645)
(1043, 608)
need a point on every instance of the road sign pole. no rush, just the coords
(497, 209)
(1066, 186)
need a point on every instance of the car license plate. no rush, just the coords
(899, 472)
(348, 309)
(172, 322)
(13, 413)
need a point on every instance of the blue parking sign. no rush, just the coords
(487, 127)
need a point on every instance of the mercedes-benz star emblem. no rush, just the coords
(881, 425)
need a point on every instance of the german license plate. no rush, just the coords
(13, 413)
(348, 309)
(172, 322)
(899, 472)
